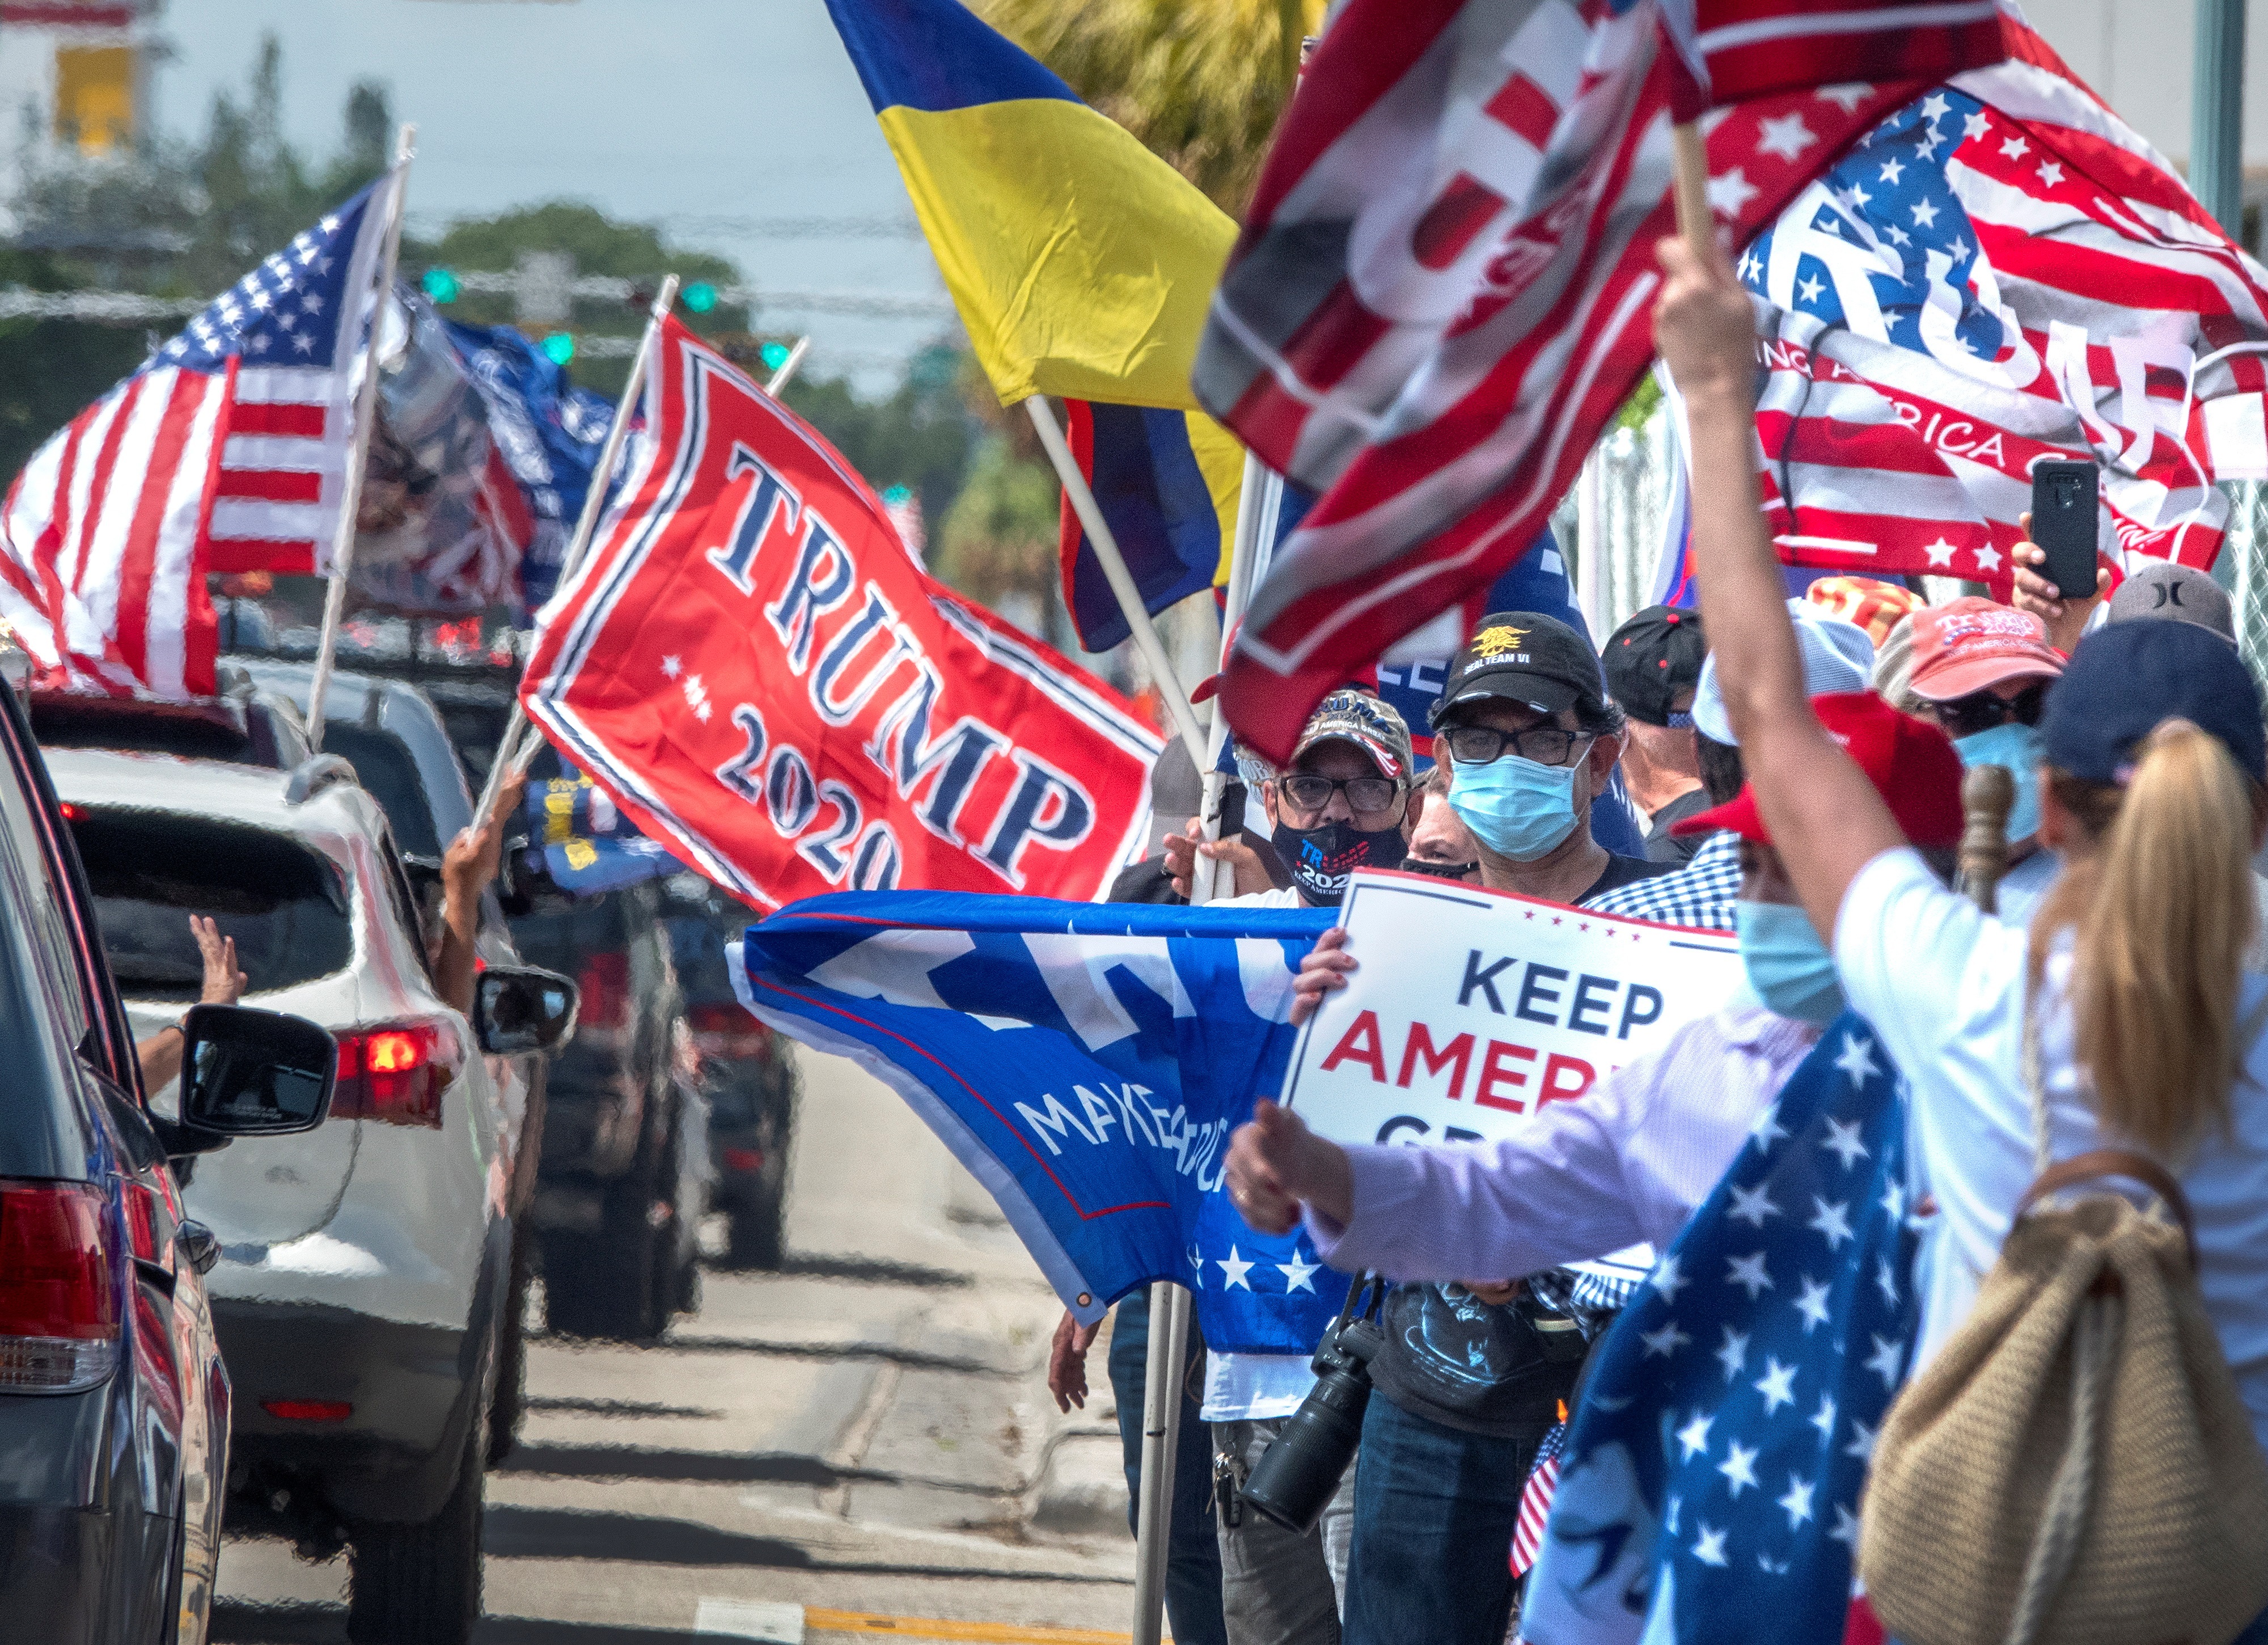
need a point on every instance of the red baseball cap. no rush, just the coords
(1912, 766)
(1973, 645)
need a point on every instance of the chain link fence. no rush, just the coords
(2242, 569)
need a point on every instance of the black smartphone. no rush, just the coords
(2065, 503)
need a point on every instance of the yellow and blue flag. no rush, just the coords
(1082, 265)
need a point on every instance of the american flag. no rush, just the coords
(1708, 1489)
(226, 452)
(1440, 294)
(1535, 1500)
(2002, 270)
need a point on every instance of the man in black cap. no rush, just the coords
(1652, 666)
(1531, 738)
(1471, 1376)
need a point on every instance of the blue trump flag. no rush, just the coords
(1087, 1061)
(588, 846)
(549, 433)
(1709, 1491)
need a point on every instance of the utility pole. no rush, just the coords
(2216, 113)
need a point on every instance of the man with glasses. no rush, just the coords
(1981, 672)
(1471, 1376)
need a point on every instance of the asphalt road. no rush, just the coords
(846, 1450)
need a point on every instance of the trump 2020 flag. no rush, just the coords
(755, 669)
(1709, 1488)
(1087, 1062)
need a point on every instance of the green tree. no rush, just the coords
(1200, 82)
(998, 543)
(50, 370)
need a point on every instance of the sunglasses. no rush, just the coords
(1982, 710)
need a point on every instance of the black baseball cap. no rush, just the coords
(1653, 657)
(2126, 678)
(1523, 657)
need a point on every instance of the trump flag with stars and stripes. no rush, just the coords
(1708, 1488)
(226, 452)
(1441, 291)
(1086, 1062)
(2002, 270)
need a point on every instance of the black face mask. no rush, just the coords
(1439, 870)
(1321, 858)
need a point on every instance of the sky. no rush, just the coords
(707, 116)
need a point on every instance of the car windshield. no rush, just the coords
(384, 765)
(284, 903)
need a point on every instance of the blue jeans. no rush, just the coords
(1434, 1510)
(2256, 1632)
(1193, 1555)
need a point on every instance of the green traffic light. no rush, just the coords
(441, 285)
(701, 296)
(559, 348)
(897, 495)
(775, 355)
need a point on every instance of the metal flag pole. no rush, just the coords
(586, 527)
(1258, 505)
(343, 540)
(789, 367)
(1184, 716)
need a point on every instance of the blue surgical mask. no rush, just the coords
(1515, 807)
(1787, 964)
(2017, 747)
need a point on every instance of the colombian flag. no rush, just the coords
(1082, 265)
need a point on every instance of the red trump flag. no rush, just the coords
(763, 677)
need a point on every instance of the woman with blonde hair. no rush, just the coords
(2132, 972)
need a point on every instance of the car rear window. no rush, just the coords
(390, 774)
(561, 939)
(285, 903)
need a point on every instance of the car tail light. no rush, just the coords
(605, 981)
(726, 1030)
(308, 1410)
(747, 1160)
(58, 1310)
(395, 1073)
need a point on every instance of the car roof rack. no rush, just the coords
(312, 775)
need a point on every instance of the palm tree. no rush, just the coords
(1200, 82)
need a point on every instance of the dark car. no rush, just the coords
(618, 1190)
(115, 1406)
(747, 1073)
(245, 725)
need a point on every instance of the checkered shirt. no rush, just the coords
(1701, 894)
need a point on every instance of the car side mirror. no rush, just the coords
(519, 1008)
(254, 1073)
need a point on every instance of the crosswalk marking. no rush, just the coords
(768, 1620)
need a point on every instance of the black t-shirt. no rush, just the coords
(1660, 845)
(1477, 1366)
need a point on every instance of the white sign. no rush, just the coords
(1472, 1009)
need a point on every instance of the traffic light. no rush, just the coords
(441, 285)
(559, 348)
(700, 297)
(775, 355)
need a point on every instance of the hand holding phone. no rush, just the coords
(2066, 505)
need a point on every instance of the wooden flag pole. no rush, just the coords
(586, 527)
(1183, 717)
(343, 540)
(1696, 221)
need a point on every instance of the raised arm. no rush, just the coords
(1824, 815)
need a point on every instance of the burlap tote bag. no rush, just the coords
(2075, 1466)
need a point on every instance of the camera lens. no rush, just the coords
(1296, 1475)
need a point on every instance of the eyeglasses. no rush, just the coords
(1311, 793)
(1477, 745)
(1966, 716)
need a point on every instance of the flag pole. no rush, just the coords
(789, 367)
(1689, 152)
(1167, 1373)
(343, 540)
(1178, 710)
(586, 527)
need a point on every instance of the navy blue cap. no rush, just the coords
(2126, 678)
